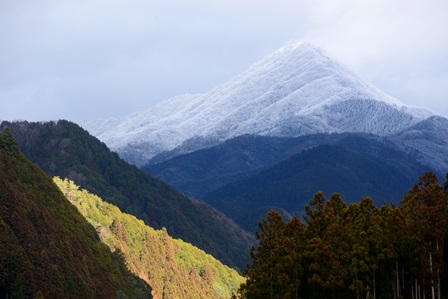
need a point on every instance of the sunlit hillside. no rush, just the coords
(174, 269)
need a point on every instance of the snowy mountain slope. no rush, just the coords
(427, 141)
(295, 91)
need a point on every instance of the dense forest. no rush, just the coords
(59, 241)
(288, 185)
(66, 150)
(47, 248)
(338, 250)
(173, 268)
(355, 251)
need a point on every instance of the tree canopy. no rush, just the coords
(47, 248)
(173, 268)
(355, 251)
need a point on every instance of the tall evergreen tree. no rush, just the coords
(425, 208)
(326, 246)
(8, 142)
(445, 185)
(276, 269)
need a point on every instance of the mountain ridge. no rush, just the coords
(47, 248)
(295, 91)
(66, 150)
(290, 184)
(202, 171)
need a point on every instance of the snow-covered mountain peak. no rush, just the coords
(294, 44)
(296, 90)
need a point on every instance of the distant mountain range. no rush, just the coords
(295, 91)
(289, 185)
(260, 140)
(198, 173)
(247, 176)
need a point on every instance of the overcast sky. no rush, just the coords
(93, 59)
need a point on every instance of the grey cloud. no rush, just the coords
(93, 59)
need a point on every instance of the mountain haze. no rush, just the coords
(297, 90)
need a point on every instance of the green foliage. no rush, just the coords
(173, 268)
(8, 143)
(64, 149)
(47, 248)
(355, 251)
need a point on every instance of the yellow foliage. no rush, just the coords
(173, 268)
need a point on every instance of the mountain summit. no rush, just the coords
(297, 90)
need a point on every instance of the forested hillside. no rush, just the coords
(173, 268)
(289, 184)
(356, 250)
(204, 171)
(64, 149)
(47, 248)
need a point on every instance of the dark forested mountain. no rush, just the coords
(197, 173)
(64, 149)
(47, 248)
(203, 171)
(289, 184)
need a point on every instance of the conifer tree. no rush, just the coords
(355, 251)
(8, 142)
(275, 271)
(358, 221)
(425, 209)
(326, 249)
(445, 185)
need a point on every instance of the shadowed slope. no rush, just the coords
(46, 246)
